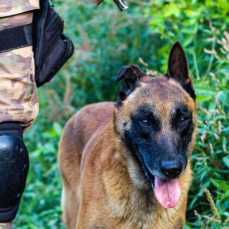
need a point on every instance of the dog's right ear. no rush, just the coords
(131, 75)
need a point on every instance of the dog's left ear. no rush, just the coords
(178, 68)
(131, 75)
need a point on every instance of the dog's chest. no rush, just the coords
(134, 212)
(141, 211)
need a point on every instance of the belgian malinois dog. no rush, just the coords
(125, 165)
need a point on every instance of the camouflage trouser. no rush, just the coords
(18, 92)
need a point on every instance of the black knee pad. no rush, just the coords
(14, 165)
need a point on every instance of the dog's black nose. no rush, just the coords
(171, 169)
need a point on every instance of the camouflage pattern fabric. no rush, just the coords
(18, 91)
(17, 20)
(14, 7)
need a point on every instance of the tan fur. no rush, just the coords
(103, 186)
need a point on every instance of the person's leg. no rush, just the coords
(18, 91)
(18, 110)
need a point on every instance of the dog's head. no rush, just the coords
(155, 119)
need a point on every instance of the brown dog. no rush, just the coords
(125, 165)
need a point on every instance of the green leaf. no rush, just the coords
(226, 161)
(221, 185)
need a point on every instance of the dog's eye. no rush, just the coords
(183, 120)
(145, 122)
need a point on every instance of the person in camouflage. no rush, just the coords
(19, 106)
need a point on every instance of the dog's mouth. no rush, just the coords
(167, 192)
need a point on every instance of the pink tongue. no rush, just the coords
(167, 192)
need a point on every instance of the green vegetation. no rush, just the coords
(106, 39)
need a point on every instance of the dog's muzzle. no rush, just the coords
(166, 187)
